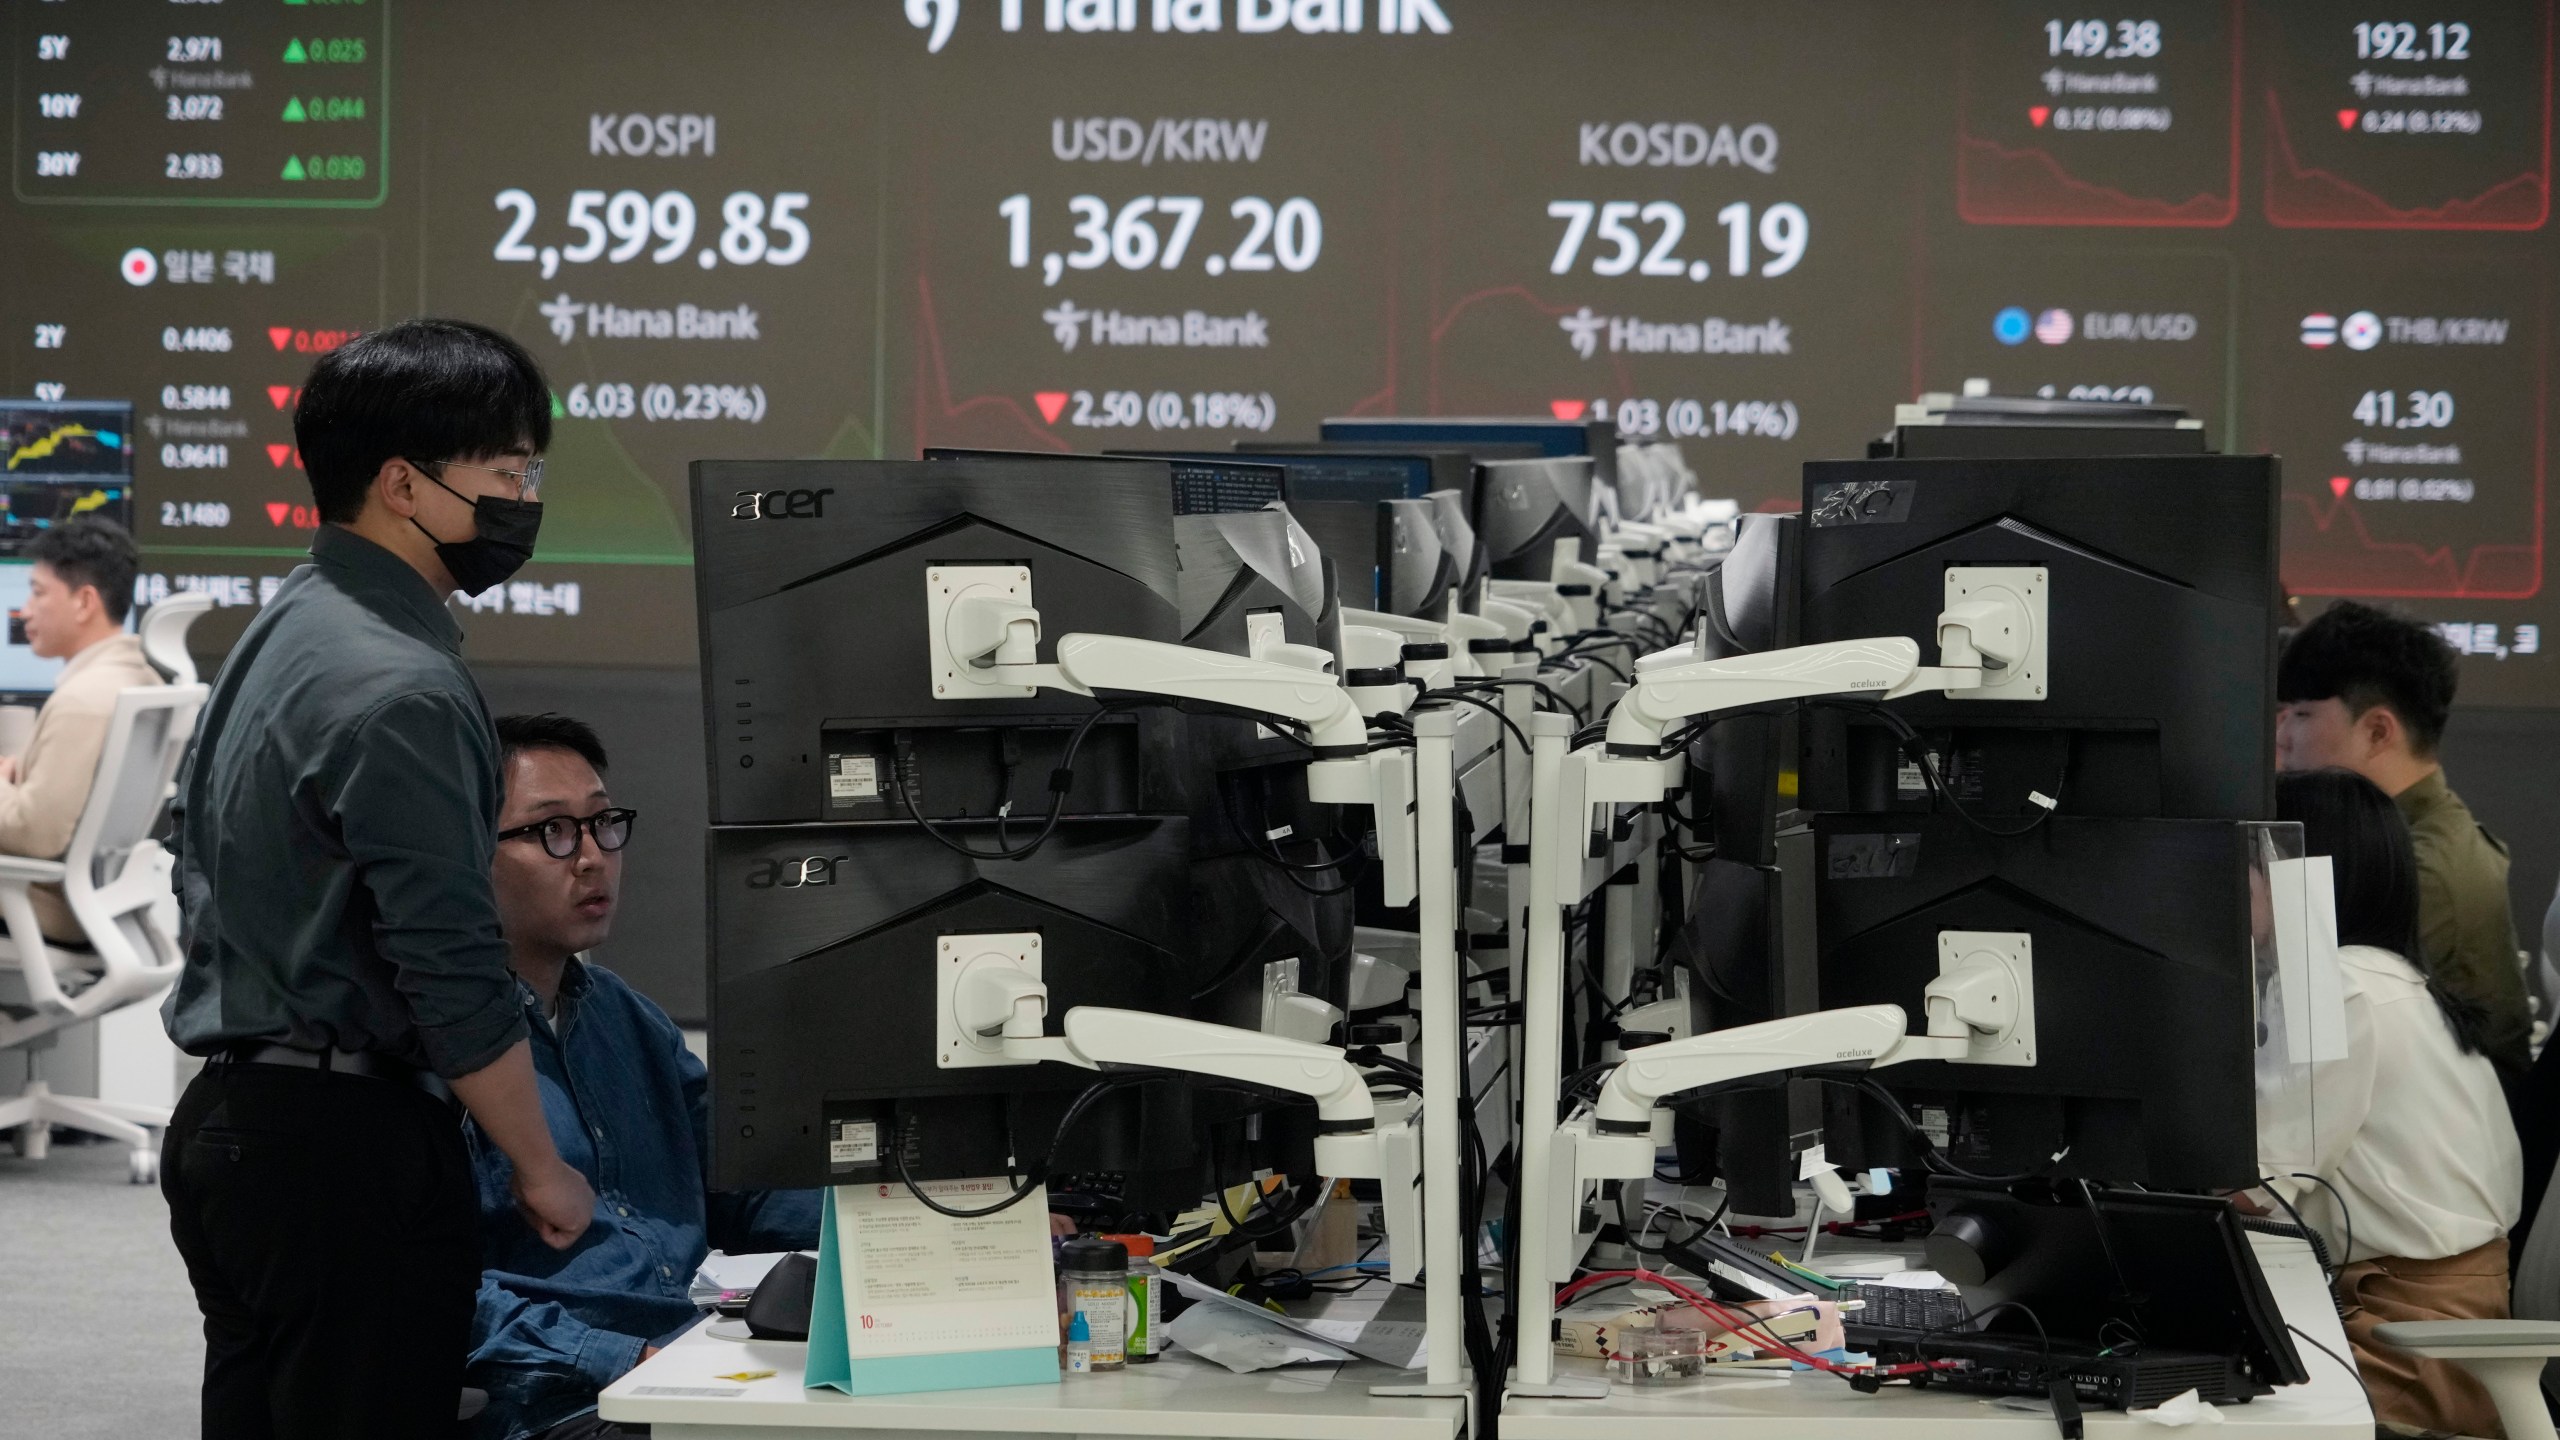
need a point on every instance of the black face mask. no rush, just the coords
(506, 530)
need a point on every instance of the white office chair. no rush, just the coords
(115, 878)
(164, 634)
(2508, 1357)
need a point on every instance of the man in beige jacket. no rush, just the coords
(78, 597)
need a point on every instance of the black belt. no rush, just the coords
(338, 1062)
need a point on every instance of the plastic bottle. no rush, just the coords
(1079, 1345)
(1097, 1276)
(1146, 1300)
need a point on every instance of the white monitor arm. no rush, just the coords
(1972, 637)
(1668, 691)
(1973, 1011)
(984, 635)
(988, 634)
(1006, 1009)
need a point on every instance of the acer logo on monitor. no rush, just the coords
(781, 504)
(795, 874)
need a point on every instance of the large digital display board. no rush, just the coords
(864, 227)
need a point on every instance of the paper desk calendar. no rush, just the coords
(908, 1299)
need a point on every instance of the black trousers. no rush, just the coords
(329, 1225)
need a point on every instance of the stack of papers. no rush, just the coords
(729, 1279)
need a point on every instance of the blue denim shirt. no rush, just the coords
(628, 1106)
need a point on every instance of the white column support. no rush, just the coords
(1444, 1059)
(1539, 984)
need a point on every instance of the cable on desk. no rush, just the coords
(2291, 1230)
(1751, 1327)
(2343, 1363)
(1032, 1179)
(2346, 1216)
(2329, 1268)
(1703, 1226)
(1920, 1345)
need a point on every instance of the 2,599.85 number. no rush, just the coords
(619, 226)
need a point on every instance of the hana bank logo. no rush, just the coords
(1066, 321)
(564, 315)
(1584, 329)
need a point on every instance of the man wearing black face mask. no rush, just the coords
(345, 977)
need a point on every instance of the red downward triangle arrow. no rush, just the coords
(281, 394)
(2338, 486)
(278, 454)
(277, 510)
(1051, 402)
(282, 335)
(2346, 119)
(2038, 114)
(1567, 409)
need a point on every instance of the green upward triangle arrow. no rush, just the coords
(293, 109)
(293, 167)
(558, 410)
(293, 53)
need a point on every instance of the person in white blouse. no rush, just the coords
(2415, 1173)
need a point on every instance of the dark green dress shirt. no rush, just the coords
(334, 828)
(2464, 927)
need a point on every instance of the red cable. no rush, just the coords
(1747, 1325)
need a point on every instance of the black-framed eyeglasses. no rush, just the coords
(559, 834)
(528, 480)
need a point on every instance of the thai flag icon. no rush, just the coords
(2320, 330)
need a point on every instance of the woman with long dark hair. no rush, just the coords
(2417, 1174)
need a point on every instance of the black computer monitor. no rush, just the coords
(1453, 467)
(1415, 574)
(2081, 1267)
(1335, 496)
(1748, 596)
(2146, 1026)
(1202, 485)
(1452, 516)
(825, 944)
(1597, 439)
(2161, 643)
(1241, 571)
(1525, 508)
(1741, 779)
(60, 459)
(826, 938)
(809, 578)
(2037, 427)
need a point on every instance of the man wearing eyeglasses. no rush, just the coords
(627, 1105)
(345, 979)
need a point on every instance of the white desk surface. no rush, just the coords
(1808, 1406)
(1179, 1395)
